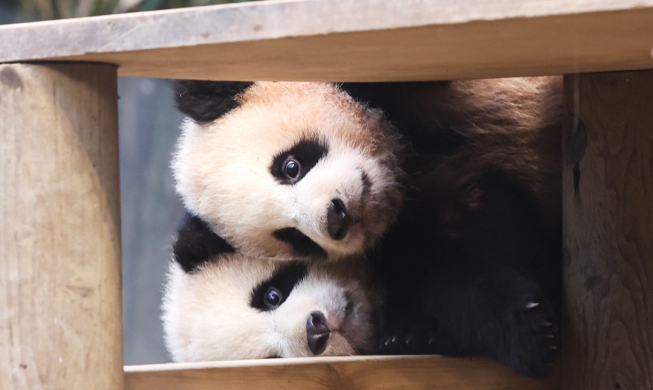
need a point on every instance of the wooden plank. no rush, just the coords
(60, 300)
(360, 372)
(608, 232)
(366, 40)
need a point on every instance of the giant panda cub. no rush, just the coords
(471, 267)
(222, 305)
(287, 170)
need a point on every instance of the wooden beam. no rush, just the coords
(365, 40)
(361, 372)
(60, 299)
(608, 232)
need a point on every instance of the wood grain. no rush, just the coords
(608, 232)
(365, 40)
(362, 372)
(60, 300)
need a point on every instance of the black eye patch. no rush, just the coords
(284, 280)
(301, 244)
(291, 166)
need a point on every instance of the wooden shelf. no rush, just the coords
(359, 372)
(366, 40)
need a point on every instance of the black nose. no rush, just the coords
(317, 332)
(337, 220)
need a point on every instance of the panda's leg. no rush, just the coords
(493, 311)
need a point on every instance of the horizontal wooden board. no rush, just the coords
(360, 372)
(365, 40)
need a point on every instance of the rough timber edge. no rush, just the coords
(369, 372)
(268, 20)
(137, 41)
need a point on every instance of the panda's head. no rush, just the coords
(287, 170)
(236, 307)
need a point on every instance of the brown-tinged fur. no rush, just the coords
(510, 125)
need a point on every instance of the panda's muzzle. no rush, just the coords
(317, 332)
(338, 221)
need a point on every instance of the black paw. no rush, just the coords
(398, 343)
(533, 339)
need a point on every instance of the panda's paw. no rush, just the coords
(533, 338)
(413, 341)
(401, 342)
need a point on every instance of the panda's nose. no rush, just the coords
(338, 221)
(317, 332)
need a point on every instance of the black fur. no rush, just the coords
(491, 292)
(307, 152)
(284, 280)
(197, 244)
(205, 101)
(486, 283)
(427, 139)
(302, 245)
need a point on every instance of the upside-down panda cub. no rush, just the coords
(445, 240)
(287, 169)
(222, 305)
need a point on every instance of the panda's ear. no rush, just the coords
(197, 244)
(369, 94)
(205, 101)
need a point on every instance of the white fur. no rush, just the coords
(207, 314)
(223, 174)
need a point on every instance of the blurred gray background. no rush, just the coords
(149, 126)
(151, 210)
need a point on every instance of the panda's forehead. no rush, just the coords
(308, 109)
(268, 92)
(274, 117)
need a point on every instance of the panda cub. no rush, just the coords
(287, 170)
(469, 266)
(222, 305)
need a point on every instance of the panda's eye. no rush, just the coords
(291, 168)
(273, 298)
(272, 293)
(291, 165)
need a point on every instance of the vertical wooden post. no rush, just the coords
(608, 232)
(60, 298)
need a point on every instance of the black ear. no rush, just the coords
(197, 244)
(373, 95)
(205, 101)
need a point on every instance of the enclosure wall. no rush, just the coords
(608, 232)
